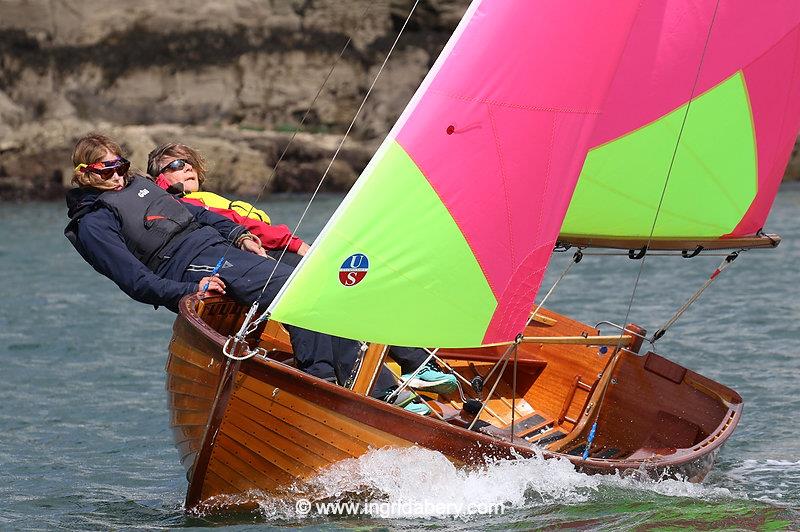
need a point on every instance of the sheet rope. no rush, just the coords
(249, 325)
(593, 430)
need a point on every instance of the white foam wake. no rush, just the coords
(420, 483)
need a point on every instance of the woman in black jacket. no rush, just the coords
(157, 249)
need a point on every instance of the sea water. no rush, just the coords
(84, 430)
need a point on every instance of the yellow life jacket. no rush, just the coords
(218, 202)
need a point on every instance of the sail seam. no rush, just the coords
(509, 218)
(527, 107)
(746, 220)
(770, 48)
(459, 224)
(546, 184)
(527, 292)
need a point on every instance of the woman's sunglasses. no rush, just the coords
(106, 169)
(174, 166)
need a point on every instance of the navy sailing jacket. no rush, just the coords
(96, 232)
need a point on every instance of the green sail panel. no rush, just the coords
(421, 269)
(711, 185)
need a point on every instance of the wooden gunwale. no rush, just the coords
(456, 442)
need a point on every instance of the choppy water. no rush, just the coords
(84, 439)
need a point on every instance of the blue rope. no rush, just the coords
(589, 441)
(215, 271)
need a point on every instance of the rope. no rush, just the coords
(513, 394)
(265, 315)
(404, 384)
(247, 327)
(504, 359)
(590, 439)
(239, 338)
(727, 261)
(575, 260)
(671, 164)
(283, 153)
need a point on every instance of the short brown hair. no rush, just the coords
(181, 151)
(90, 149)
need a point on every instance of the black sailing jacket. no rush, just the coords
(111, 245)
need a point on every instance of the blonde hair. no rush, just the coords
(180, 151)
(91, 149)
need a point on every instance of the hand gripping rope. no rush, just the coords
(215, 271)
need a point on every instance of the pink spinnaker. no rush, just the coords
(504, 127)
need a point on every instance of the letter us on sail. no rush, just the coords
(353, 269)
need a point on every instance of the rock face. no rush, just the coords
(233, 77)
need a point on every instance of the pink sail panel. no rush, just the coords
(502, 131)
(773, 83)
(662, 60)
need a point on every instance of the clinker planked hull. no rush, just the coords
(244, 429)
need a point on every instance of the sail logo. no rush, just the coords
(354, 269)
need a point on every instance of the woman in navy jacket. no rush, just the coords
(157, 249)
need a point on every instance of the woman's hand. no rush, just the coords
(210, 285)
(303, 249)
(253, 246)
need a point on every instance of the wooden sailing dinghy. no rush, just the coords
(651, 126)
(259, 426)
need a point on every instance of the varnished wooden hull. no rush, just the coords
(247, 428)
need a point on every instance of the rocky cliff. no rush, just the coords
(234, 78)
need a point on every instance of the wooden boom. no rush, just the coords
(623, 340)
